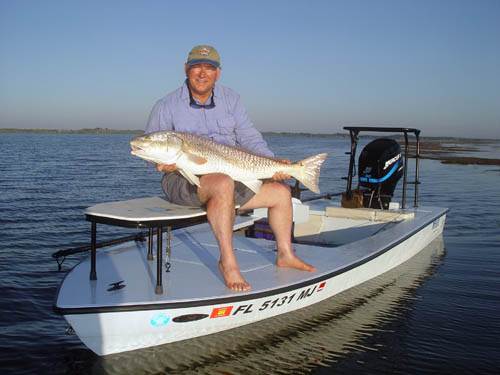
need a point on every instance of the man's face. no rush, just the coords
(201, 78)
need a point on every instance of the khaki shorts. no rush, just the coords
(180, 191)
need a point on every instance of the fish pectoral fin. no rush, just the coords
(190, 177)
(253, 185)
(195, 158)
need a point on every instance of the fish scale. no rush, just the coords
(196, 155)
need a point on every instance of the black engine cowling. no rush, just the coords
(380, 167)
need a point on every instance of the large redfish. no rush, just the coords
(196, 155)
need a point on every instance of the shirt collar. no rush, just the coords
(185, 92)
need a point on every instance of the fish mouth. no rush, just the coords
(136, 150)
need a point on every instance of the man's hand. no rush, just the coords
(166, 168)
(278, 176)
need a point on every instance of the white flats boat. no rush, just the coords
(128, 297)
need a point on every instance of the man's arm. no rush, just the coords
(158, 121)
(159, 118)
(250, 138)
(247, 135)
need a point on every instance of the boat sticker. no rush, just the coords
(159, 320)
(220, 312)
(280, 301)
(321, 286)
(283, 300)
(306, 293)
(189, 318)
(244, 309)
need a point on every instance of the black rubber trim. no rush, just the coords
(173, 223)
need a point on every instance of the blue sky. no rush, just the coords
(312, 66)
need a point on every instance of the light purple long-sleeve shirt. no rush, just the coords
(227, 123)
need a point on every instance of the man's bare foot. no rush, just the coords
(285, 260)
(233, 279)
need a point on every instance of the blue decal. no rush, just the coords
(378, 180)
(160, 320)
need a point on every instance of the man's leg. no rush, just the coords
(277, 198)
(217, 193)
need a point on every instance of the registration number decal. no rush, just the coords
(268, 304)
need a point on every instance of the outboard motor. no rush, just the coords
(380, 167)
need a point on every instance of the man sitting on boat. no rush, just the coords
(202, 107)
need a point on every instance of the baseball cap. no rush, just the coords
(203, 54)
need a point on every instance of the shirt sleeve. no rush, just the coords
(159, 118)
(247, 136)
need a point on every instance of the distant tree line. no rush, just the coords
(271, 134)
(72, 131)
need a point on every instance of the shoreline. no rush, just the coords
(71, 131)
(449, 150)
(456, 152)
(265, 133)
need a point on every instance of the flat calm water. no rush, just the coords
(438, 313)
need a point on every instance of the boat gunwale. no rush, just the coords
(248, 296)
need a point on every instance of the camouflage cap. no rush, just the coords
(203, 54)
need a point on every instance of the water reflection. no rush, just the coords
(298, 342)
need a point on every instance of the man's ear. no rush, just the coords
(186, 68)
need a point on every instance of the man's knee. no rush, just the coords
(281, 189)
(215, 185)
(223, 183)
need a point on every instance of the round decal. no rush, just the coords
(160, 320)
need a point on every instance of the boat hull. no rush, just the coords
(107, 329)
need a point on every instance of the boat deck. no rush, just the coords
(194, 274)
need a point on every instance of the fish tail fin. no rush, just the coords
(309, 175)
